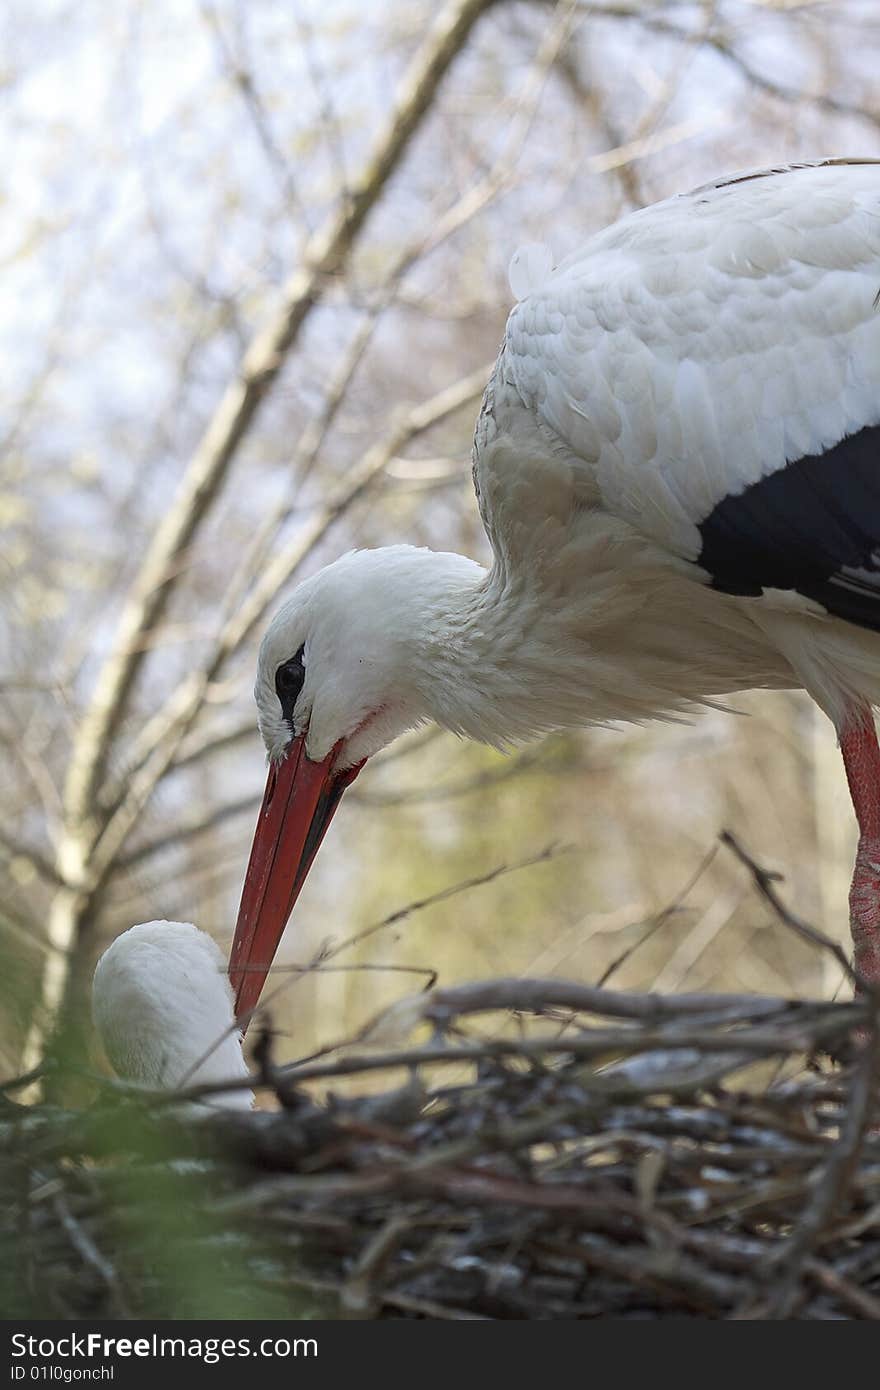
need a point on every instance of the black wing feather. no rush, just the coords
(812, 527)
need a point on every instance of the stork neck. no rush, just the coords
(479, 668)
(507, 656)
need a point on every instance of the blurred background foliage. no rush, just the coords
(168, 170)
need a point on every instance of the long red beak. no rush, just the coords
(298, 806)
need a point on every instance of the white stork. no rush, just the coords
(162, 1007)
(677, 462)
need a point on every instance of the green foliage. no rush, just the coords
(111, 1213)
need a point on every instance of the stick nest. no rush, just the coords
(526, 1149)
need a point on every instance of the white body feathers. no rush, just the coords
(162, 1006)
(682, 355)
(697, 345)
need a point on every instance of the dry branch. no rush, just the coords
(324, 257)
(722, 45)
(172, 723)
(326, 254)
(764, 881)
(617, 1171)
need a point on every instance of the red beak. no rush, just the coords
(298, 806)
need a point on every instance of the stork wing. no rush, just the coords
(708, 371)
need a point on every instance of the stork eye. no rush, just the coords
(289, 679)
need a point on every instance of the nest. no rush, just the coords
(527, 1149)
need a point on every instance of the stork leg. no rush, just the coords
(861, 757)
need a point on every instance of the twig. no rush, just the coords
(89, 1252)
(329, 952)
(20, 1083)
(765, 880)
(732, 1048)
(779, 91)
(859, 1300)
(661, 919)
(17, 849)
(357, 1297)
(836, 1174)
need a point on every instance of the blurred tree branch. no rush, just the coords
(17, 849)
(239, 73)
(560, 110)
(712, 38)
(326, 254)
(174, 720)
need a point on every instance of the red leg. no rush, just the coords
(861, 757)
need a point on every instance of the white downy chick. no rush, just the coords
(163, 1008)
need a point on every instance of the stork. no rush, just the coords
(162, 1006)
(677, 462)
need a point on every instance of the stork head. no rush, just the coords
(345, 666)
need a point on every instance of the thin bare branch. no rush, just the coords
(186, 830)
(780, 91)
(326, 254)
(182, 707)
(324, 257)
(765, 882)
(17, 849)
